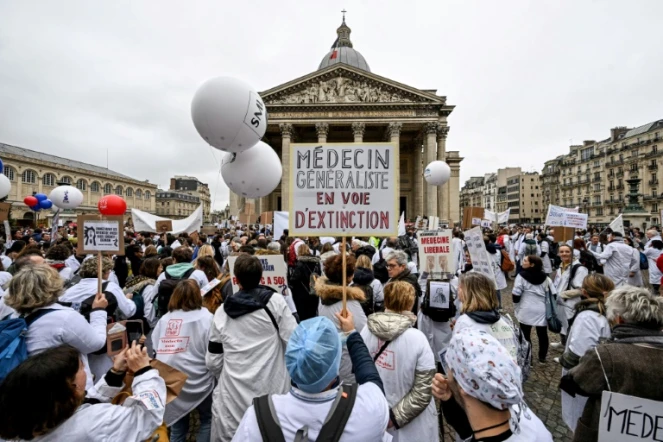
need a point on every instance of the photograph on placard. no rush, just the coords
(440, 294)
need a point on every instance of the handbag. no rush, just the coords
(554, 324)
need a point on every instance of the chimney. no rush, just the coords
(617, 132)
(173, 184)
(588, 142)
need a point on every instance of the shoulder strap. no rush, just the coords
(104, 286)
(267, 420)
(32, 317)
(377, 355)
(338, 416)
(188, 273)
(267, 310)
(572, 274)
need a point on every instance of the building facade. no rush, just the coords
(35, 172)
(344, 102)
(471, 195)
(175, 205)
(192, 186)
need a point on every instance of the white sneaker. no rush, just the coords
(556, 345)
(556, 360)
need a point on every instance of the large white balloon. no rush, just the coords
(5, 186)
(253, 173)
(66, 197)
(229, 114)
(437, 173)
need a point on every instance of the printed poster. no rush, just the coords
(434, 252)
(440, 294)
(481, 262)
(274, 272)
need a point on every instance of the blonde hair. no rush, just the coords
(597, 288)
(205, 250)
(479, 293)
(33, 287)
(399, 296)
(89, 267)
(303, 250)
(364, 262)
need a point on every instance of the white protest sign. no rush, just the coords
(273, 272)
(433, 222)
(476, 221)
(617, 225)
(434, 252)
(490, 216)
(555, 215)
(280, 223)
(629, 418)
(481, 262)
(503, 217)
(575, 220)
(344, 189)
(486, 223)
(440, 294)
(100, 235)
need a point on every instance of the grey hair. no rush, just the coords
(33, 287)
(635, 305)
(399, 255)
(274, 246)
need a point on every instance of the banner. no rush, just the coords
(629, 418)
(401, 225)
(575, 220)
(434, 252)
(490, 216)
(273, 272)
(555, 215)
(146, 222)
(481, 262)
(433, 222)
(344, 189)
(617, 225)
(503, 217)
(280, 223)
(54, 228)
(486, 223)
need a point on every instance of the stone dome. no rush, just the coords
(342, 51)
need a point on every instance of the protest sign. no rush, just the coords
(280, 223)
(163, 226)
(420, 223)
(440, 294)
(503, 217)
(273, 272)
(209, 230)
(55, 223)
(344, 189)
(4, 211)
(555, 215)
(433, 222)
(481, 262)
(100, 235)
(489, 216)
(575, 220)
(629, 418)
(486, 223)
(469, 216)
(434, 252)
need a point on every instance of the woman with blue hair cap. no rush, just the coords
(317, 404)
(484, 381)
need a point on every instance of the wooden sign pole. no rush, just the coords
(344, 312)
(100, 267)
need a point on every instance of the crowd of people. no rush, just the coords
(362, 344)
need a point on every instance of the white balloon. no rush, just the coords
(437, 173)
(5, 186)
(253, 173)
(66, 197)
(229, 114)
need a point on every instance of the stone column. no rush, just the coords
(430, 131)
(323, 130)
(394, 131)
(418, 189)
(234, 201)
(453, 186)
(286, 135)
(358, 131)
(443, 191)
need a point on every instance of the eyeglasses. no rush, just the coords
(392, 266)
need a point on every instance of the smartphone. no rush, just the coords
(134, 330)
(443, 362)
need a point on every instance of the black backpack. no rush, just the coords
(369, 304)
(380, 269)
(438, 314)
(166, 289)
(332, 429)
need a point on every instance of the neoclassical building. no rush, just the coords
(36, 172)
(343, 101)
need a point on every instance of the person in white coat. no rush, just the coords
(496, 257)
(568, 279)
(406, 365)
(528, 247)
(246, 347)
(618, 259)
(313, 358)
(544, 245)
(56, 257)
(635, 277)
(182, 257)
(35, 290)
(42, 399)
(180, 339)
(653, 250)
(587, 327)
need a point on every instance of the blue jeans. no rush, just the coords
(180, 429)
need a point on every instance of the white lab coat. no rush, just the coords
(367, 422)
(5, 277)
(618, 260)
(6, 261)
(530, 426)
(252, 364)
(531, 310)
(458, 255)
(66, 273)
(652, 255)
(438, 334)
(197, 275)
(385, 251)
(521, 251)
(67, 326)
(88, 287)
(547, 265)
(180, 340)
(72, 263)
(588, 328)
(566, 307)
(133, 421)
(405, 355)
(636, 280)
(500, 279)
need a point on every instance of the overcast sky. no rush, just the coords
(78, 78)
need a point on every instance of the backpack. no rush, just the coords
(574, 269)
(380, 269)
(292, 253)
(530, 249)
(166, 289)
(332, 429)
(553, 252)
(524, 355)
(507, 264)
(369, 304)
(435, 313)
(75, 279)
(13, 349)
(644, 262)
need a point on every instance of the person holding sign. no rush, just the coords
(628, 363)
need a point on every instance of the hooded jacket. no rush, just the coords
(248, 301)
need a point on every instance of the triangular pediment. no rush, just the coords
(341, 83)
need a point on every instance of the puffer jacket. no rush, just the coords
(388, 326)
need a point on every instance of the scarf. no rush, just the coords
(532, 276)
(57, 265)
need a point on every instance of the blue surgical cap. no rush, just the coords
(313, 355)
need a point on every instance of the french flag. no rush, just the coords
(334, 47)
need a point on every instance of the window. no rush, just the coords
(108, 189)
(118, 190)
(81, 184)
(9, 173)
(94, 186)
(130, 191)
(139, 193)
(29, 176)
(48, 179)
(66, 180)
(148, 195)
